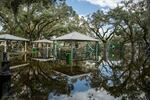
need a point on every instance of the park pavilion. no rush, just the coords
(42, 50)
(75, 47)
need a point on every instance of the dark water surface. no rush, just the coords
(54, 81)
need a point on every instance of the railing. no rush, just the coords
(42, 53)
(77, 55)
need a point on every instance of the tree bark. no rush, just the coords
(132, 51)
(148, 17)
(105, 50)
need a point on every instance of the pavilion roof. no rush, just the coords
(12, 37)
(43, 41)
(75, 36)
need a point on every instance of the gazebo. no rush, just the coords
(42, 49)
(75, 47)
(7, 37)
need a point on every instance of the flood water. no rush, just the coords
(51, 80)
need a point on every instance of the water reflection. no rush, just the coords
(46, 80)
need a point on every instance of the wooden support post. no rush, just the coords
(25, 47)
(55, 50)
(47, 50)
(71, 55)
(25, 57)
(32, 45)
(5, 46)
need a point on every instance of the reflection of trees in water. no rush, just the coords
(130, 78)
(118, 78)
(35, 82)
(122, 79)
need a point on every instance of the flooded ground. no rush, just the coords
(53, 81)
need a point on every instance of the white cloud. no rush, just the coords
(104, 3)
(81, 15)
(94, 95)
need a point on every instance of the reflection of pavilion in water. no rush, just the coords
(38, 79)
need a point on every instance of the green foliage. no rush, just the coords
(130, 77)
(116, 49)
(14, 4)
(34, 20)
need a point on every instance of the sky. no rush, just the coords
(85, 7)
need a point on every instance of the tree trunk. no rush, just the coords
(148, 17)
(132, 51)
(105, 50)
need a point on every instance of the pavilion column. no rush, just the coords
(38, 46)
(71, 53)
(33, 45)
(55, 49)
(25, 57)
(47, 49)
(71, 56)
(25, 47)
(5, 46)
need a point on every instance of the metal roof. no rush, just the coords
(12, 37)
(75, 36)
(43, 41)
